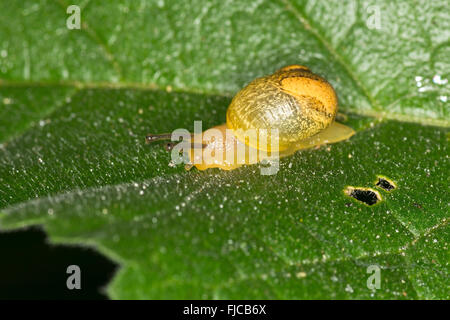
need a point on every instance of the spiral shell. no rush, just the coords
(293, 100)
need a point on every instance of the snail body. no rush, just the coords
(300, 105)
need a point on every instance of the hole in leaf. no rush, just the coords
(32, 268)
(364, 195)
(385, 184)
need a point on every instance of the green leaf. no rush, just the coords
(75, 106)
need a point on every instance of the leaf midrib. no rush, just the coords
(199, 91)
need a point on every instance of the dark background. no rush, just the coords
(31, 268)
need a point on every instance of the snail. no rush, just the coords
(297, 104)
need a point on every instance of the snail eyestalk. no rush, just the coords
(157, 137)
(169, 145)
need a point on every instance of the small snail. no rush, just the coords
(299, 104)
